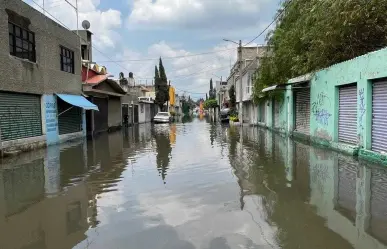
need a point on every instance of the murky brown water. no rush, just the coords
(191, 185)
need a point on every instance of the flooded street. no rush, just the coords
(191, 185)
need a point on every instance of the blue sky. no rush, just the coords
(132, 34)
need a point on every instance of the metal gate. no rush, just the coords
(302, 109)
(125, 114)
(379, 117)
(378, 221)
(101, 117)
(276, 112)
(20, 116)
(262, 112)
(348, 114)
(69, 118)
(135, 114)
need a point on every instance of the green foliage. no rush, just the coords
(234, 118)
(231, 93)
(161, 86)
(210, 103)
(314, 34)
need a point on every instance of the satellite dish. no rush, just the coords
(86, 24)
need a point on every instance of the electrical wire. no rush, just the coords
(60, 22)
(174, 57)
(275, 19)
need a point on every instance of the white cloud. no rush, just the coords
(190, 72)
(195, 14)
(103, 23)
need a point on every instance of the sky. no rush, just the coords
(130, 35)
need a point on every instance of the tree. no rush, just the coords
(231, 93)
(206, 96)
(307, 39)
(161, 86)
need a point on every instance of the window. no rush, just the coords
(142, 108)
(21, 42)
(66, 60)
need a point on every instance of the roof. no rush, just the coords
(96, 79)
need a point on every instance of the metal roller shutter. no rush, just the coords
(101, 117)
(378, 221)
(379, 117)
(348, 114)
(302, 100)
(262, 112)
(276, 107)
(346, 193)
(20, 116)
(69, 119)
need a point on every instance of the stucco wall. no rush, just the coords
(114, 116)
(324, 103)
(45, 75)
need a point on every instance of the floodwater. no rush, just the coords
(191, 185)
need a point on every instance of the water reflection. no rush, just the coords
(228, 187)
(162, 136)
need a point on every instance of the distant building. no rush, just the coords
(250, 58)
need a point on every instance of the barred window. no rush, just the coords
(66, 60)
(21, 42)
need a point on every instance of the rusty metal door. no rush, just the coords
(348, 114)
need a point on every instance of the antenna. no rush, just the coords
(86, 24)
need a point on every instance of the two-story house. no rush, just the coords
(41, 98)
(241, 76)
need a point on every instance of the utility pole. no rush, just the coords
(240, 81)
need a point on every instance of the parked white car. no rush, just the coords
(162, 117)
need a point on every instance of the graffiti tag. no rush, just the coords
(322, 115)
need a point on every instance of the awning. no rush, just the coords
(275, 87)
(77, 100)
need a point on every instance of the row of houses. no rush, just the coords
(343, 107)
(52, 91)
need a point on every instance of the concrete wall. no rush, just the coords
(324, 90)
(114, 116)
(44, 76)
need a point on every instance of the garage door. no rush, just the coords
(302, 100)
(20, 116)
(69, 119)
(276, 110)
(101, 117)
(379, 117)
(348, 114)
(262, 112)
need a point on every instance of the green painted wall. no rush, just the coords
(324, 90)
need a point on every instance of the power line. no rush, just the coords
(275, 19)
(172, 57)
(77, 34)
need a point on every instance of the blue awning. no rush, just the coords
(77, 100)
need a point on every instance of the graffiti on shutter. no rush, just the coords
(379, 117)
(348, 114)
(302, 110)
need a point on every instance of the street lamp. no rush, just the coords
(240, 74)
(227, 40)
